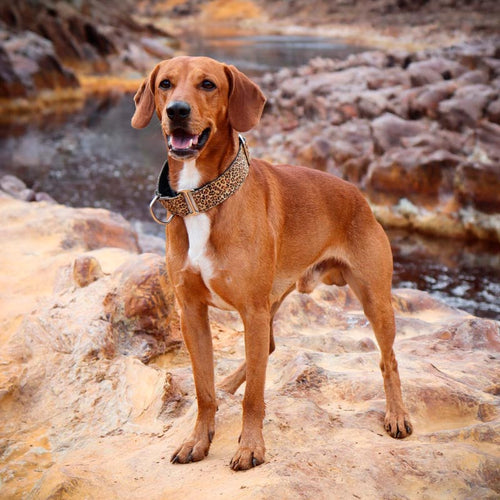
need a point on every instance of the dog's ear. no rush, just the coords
(246, 100)
(145, 101)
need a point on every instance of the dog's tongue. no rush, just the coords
(182, 140)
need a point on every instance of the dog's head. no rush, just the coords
(194, 97)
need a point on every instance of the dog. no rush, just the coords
(274, 229)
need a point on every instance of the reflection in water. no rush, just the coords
(257, 54)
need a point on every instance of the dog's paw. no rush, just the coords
(398, 425)
(192, 450)
(248, 455)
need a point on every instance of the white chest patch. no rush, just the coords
(197, 226)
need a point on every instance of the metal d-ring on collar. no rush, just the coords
(195, 201)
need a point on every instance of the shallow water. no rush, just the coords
(95, 158)
(256, 54)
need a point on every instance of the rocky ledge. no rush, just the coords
(418, 132)
(45, 44)
(96, 387)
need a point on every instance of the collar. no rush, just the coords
(202, 199)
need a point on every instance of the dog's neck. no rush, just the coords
(212, 162)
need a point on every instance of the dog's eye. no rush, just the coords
(165, 84)
(208, 85)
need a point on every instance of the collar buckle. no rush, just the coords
(190, 202)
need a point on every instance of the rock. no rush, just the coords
(493, 111)
(42, 196)
(487, 143)
(12, 185)
(393, 139)
(434, 70)
(389, 129)
(426, 102)
(478, 184)
(71, 369)
(316, 154)
(412, 170)
(86, 270)
(466, 107)
(94, 229)
(141, 309)
(28, 65)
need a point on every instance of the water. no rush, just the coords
(257, 54)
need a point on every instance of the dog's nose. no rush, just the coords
(178, 110)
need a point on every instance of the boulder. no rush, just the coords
(141, 308)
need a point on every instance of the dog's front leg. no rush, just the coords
(251, 451)
(198, 339)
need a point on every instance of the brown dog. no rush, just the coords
(263, 230)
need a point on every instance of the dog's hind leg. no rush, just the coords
(372, 286)
(231, 383)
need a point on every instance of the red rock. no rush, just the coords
(30, 65)
(412, 171)
(141, 309)
(479, 185)
(487, 142)
(86, 270)
(100, 228)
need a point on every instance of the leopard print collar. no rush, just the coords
(194, 201)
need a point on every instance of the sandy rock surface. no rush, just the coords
(96, 388)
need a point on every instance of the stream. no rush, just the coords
(94, 158)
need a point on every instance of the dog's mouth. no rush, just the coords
(182, 144)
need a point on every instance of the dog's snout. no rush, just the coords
(178, 110)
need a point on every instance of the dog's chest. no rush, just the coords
(198, 229)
